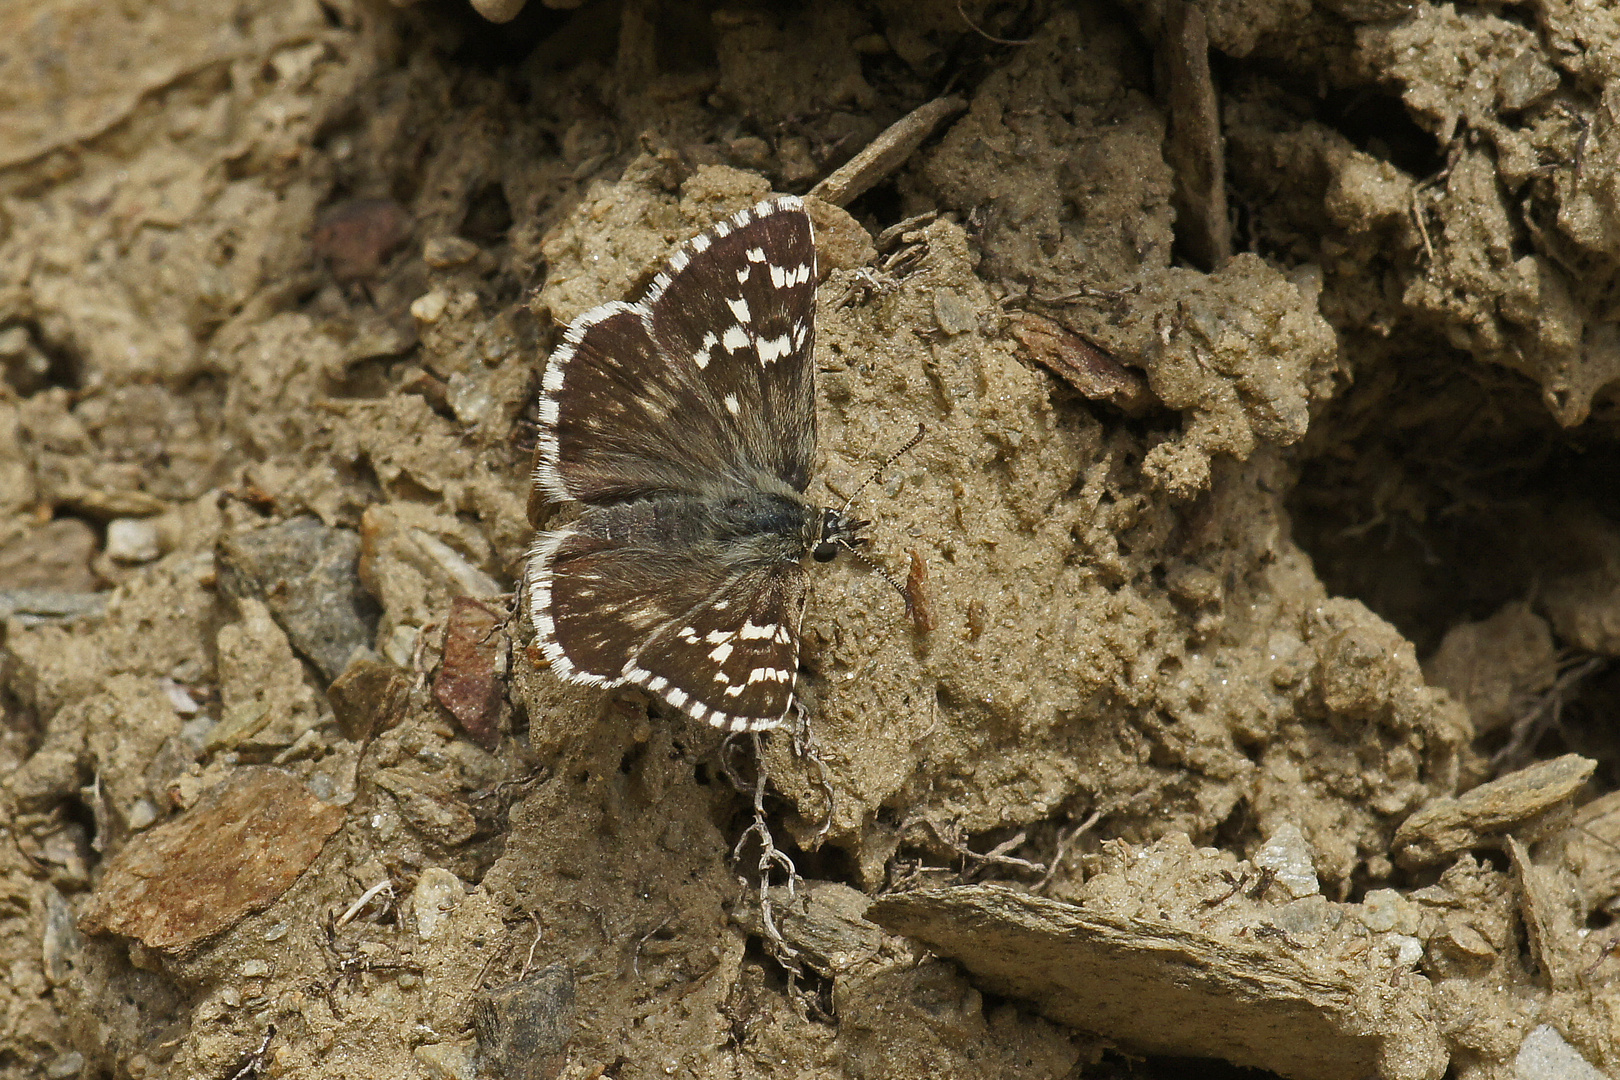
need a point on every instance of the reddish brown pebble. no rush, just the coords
(918, 603)
(357, 236)
(1082, 365)
(467, 684)
(233, 854)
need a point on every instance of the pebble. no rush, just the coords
(1381, 909)
(1544, 1055)
(1288, 855)
(134, 540)
(429, 307)
(438, 892)
(448, 252)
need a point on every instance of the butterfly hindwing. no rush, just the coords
(733, 659)
(608, 408)
(719, 642)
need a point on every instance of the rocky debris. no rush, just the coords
(307, 575)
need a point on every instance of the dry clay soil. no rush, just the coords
(1253, 704)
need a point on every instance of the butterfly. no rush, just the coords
(684, 424)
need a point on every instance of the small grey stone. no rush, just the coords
(61, 942)
(468, 398)
(954, 315)
(31, 607)
(438, 892)
(447, 1060)
(308, 576)
(524, 1028)
(134, 540)
(445, 252)
(68, 1065)
(1309, 915)
(1382, 910)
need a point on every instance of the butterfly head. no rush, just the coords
(837, 531)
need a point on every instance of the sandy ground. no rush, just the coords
(1255, 704)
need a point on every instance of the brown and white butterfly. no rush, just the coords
(685, 423)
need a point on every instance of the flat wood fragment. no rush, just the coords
(1090, 370)
(1531, 801)
(1194, 145)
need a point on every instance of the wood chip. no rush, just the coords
(1530, 802)
(232, 854)
(1090, 370)
(1194, 146)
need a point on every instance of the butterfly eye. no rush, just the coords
(824, 551)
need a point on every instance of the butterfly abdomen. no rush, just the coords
(748, 526)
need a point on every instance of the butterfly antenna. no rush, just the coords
(876, 568)
(877, 472)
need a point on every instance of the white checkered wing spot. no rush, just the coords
(707, 378)
(718, 642)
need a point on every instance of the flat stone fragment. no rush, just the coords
(468, 684)
(232, 854)
(32, 607)
(368, 698)
(524, 1028)
(1157, 987)
(1288, 855)
(1531, 800)
(308, 575)
(54, 557)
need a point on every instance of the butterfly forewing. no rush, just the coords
(738, 304)
(608, 407)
